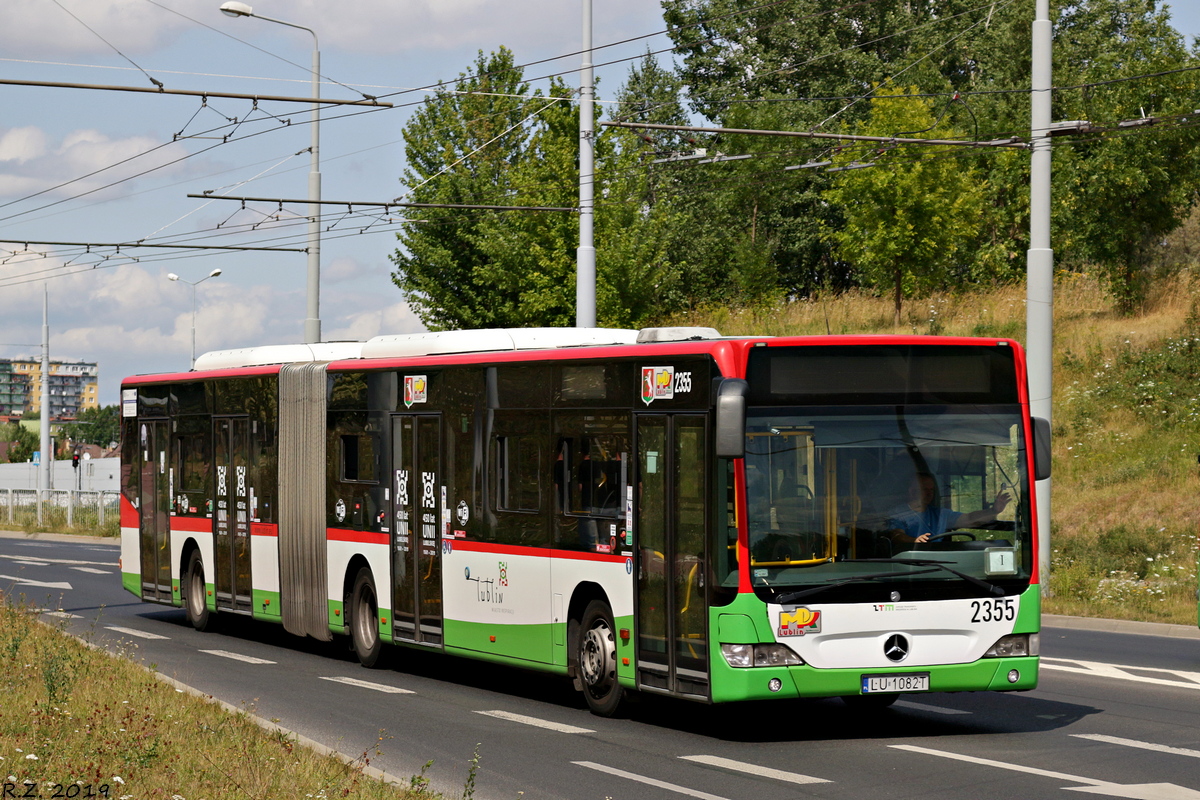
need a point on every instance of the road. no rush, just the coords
(1115, 715)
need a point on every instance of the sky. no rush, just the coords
(82, 166)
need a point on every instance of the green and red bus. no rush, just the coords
(666, 511)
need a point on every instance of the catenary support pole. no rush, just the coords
(1039, 318)
(44, 444)
(585, 268)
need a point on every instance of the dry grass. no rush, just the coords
(1126, 426)
(74, 717)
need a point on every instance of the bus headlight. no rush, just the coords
(1015, 644)
(759, 655)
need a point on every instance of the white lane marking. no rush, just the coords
(42, 584)
(1145, 791)
(379, 687)
(754, 769)
(62, 614)
(534, 721)
(237, 657)
(1179, 678)
(1160, 748)
(39, 559)
(92, 570)
(135, 632)
(670, 787)
(932, 709)
(32, 563)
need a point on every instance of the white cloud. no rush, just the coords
(22, 144)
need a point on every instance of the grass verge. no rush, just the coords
(79, 723)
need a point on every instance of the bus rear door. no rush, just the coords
(153, 510)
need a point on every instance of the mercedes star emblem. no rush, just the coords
(896, 647)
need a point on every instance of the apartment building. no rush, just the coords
(74, 386)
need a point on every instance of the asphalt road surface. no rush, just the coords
(1115, 715)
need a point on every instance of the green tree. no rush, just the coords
(909, 217)
(22, 442)
(462, 147)
(99, 426)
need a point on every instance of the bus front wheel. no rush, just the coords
(193, 594)
(597, 659)
(364, 621)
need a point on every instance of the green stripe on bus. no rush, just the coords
(132, 582)
(1029, 617)
(336, 623)
(265, 605)
(729, 684)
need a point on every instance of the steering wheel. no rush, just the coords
(948, 534)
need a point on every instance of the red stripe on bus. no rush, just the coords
(263, 529)
(129, 514)
(362, 537)
(192, 524)
(535, 552)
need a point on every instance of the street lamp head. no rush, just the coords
(171, 276)
(235, 9)
(214, 273)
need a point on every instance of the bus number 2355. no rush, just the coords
(1002, 609)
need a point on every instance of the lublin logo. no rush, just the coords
(798, 620)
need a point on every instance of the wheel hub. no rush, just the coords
(597, 658)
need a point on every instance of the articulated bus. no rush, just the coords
(667, 511)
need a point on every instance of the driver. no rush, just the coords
(923, 519)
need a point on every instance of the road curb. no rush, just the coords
(1121, 626)
(61, 537)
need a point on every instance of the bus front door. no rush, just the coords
(153, 511)
(231, 515)
(418, 508)
(672, 615)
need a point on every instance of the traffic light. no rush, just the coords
(75, 460)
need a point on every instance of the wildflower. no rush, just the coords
(118, 779)
(31, 757)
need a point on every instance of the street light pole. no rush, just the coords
(312, 322)
(171, 276)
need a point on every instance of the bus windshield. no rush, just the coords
(855, 503)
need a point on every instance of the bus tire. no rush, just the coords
(364, 621)
(870, 702)
(596, 660)
(194, 602)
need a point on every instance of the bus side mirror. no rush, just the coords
(1041, 448)
(731, 418)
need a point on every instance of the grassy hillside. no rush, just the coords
(1126, 420)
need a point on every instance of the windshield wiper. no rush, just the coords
(794, 596)
(990, 588)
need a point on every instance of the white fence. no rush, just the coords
(21, 507)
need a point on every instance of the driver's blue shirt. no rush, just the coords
(934, 520)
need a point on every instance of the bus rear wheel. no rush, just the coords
(364, 621)
(597, 660)
(193, 594)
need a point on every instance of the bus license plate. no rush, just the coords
(883, 684)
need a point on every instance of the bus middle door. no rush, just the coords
(672, 607)
(418, 509)
(231, 515)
